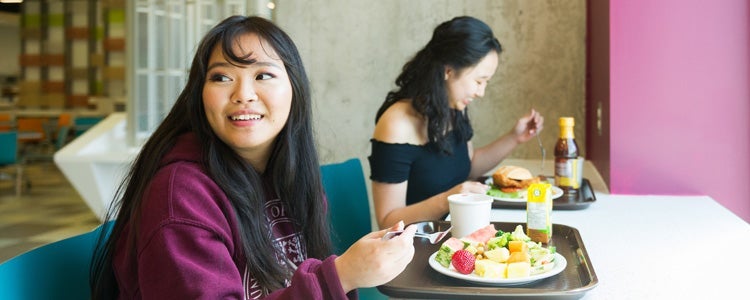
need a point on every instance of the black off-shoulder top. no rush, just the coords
(427, 170)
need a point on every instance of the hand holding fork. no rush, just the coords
(434, 238)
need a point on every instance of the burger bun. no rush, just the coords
(513, 179)
(514, 172)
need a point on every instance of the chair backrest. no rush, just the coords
(62, 137)
(6, 122)
(59, 270)
(348, 203)
(8, 147)
(64, 119)
(348, 209)
(32, 124)
(81, 124)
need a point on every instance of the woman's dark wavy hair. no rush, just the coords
(459, 43)
(293, 165)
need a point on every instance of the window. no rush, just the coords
(162, 36)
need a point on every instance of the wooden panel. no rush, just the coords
(30, 60)
(114, 44)
(31, 20)
(56, 20)
(31, 33)
(116, 16)
(54, 59)
(56, 100)
(29, 87)
(53, 87)
(79, 73)
(99, 88)
(114, 73)
(29, 99)
(115, 4)
(78, 100)
(99, 33)
(97, 59)
(77, 33)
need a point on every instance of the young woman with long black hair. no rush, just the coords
(224, 200)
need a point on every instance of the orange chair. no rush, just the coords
(31, 130)
(64, 124)
(6, 122)
(65, 119)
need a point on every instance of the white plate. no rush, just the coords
(560, 264)
(556, 193)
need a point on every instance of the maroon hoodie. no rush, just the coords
(189, 247)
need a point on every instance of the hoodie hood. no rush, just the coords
(186, 148)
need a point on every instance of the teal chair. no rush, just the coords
(81, 124)
(62, 137)
(348, 209)
(59, 270)
(9, 157)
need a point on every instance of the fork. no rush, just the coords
(541, 147)
(544, 153)
(434, 237)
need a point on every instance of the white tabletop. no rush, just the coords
(659, 247)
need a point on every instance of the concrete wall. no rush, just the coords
(354, 49)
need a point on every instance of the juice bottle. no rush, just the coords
(566, 159)
(538, 211)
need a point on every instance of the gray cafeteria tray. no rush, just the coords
(585, 197)
(419, 280)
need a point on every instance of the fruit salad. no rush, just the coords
(490, 253)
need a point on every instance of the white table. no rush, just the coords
(659, 247)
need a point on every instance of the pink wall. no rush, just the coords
(680, 99)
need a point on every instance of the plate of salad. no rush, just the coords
(497, 258)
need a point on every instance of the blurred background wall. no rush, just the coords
(9, 51)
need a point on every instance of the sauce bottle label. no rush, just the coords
(566, 173)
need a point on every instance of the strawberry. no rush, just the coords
(463, 261)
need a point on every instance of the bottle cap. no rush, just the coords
(567, 122)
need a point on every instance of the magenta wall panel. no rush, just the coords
(680, 99)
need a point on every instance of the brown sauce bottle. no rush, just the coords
(566, 156)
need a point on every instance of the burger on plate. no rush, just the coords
(512, 179)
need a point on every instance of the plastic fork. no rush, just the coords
(434, 237)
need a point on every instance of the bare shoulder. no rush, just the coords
(401, 124)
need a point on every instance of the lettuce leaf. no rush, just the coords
(497, 193)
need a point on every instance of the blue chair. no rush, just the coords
(348, 209)
(9, 157)
(59, 270)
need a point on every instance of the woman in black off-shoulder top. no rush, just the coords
(421, 146)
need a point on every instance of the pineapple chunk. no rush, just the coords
(519, 270)
(498, 254)
(489, 269)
